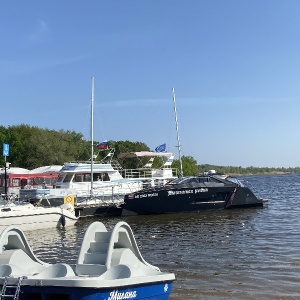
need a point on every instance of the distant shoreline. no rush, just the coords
(265, 173)
(248, 171)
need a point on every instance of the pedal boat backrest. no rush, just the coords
(16, 256)
(102, 250)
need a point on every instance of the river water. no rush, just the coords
(227, 254)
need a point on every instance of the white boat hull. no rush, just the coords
(29, 217)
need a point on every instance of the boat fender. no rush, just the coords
(63, 220)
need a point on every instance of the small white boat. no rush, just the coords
(30, 217)
(109, 267)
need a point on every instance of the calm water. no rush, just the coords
(229, 254)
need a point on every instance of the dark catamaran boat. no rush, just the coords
(192, 193)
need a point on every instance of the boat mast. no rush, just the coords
(177, 131)
(92, 135)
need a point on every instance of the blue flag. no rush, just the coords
(161, 148)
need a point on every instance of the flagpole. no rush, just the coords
(5, 178)
(177, 131)
(92, 136)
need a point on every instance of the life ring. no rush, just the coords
(69, 199)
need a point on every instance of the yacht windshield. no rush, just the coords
(194, 179)
(179, 180)
(235, 180)
(68, 177)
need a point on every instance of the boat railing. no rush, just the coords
(116, 165)
(163, 173)
(82, 162)
(109, 194)
(122, 188)
(100, 196)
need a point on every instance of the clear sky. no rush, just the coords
(234, 64)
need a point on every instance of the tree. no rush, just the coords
(189, 165)
(32, 147)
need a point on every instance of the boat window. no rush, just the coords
(68, 177)
(50, 181)
(194, 180)
(43, 181)
(60, 177)
(100, 177)
(87, 177)
(203, 179)
(213, 179)
(178, 180)
(78, 178)
(184, 180)
(15, 182)
(106, 177)
(83, 177)
(23, 183)
(6, 209)
(158, 182)
(38, 181)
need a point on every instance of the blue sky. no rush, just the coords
(235, 67)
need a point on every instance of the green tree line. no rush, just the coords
(32, 147)
(231, 170)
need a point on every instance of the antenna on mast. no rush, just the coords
(177, 131)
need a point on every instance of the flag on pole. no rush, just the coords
(161, 148)
(5, 149)
(103, 145)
